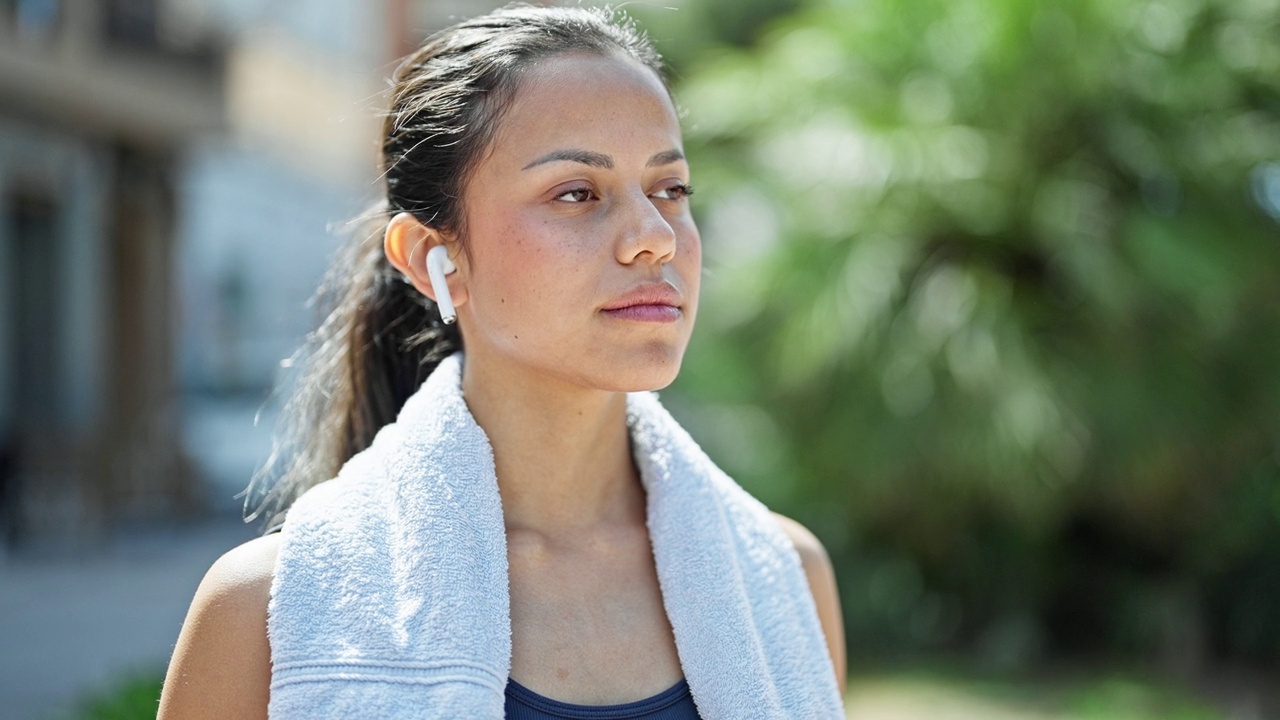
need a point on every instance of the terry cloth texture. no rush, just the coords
(390, 595)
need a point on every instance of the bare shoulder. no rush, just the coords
(242, 576)
(822, 583)
(807, 544)
(221, 665)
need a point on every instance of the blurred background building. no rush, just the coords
(175, 175)
(99, 103)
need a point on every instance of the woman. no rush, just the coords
(540, 148)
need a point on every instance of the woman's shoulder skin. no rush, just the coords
(221, 666)
(822, 583)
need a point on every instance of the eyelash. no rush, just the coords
(682, 191)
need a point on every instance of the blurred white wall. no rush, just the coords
(303, 85)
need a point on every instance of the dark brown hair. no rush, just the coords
(379, 337)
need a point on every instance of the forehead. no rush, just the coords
(585, 101)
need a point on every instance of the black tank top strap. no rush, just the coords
(675, 703)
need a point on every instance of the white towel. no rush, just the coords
(390, 597)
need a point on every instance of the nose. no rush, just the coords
(646, 235)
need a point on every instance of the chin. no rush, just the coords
(651, 368)
(656, 373)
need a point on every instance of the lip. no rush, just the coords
(655, 294)
(657, 302)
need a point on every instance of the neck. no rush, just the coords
(562, 452)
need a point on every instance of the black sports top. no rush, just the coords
(675, 703)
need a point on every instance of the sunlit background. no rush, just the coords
(992, 304)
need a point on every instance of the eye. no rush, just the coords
(674, 192)
(576, 195)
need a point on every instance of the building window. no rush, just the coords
(35, 20)
(34, 302)
(133, 22)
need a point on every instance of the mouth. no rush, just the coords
(659, 302)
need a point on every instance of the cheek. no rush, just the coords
(690, 243)
(526, 264)
(692, 265)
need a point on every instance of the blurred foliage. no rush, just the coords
(687, 31)
(992, 303)
(136, 697)
(923, 692)
(1117, 698)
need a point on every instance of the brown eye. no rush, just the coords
(577, 195)
(675, 192)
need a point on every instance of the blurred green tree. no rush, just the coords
(993, 304)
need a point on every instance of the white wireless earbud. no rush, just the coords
(438, 266)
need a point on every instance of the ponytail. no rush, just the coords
(378, 340)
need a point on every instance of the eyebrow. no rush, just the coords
(600, 160)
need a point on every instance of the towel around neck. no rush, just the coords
(390, 596)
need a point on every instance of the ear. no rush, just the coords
(406, 243)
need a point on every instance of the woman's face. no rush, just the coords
(583, 258)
